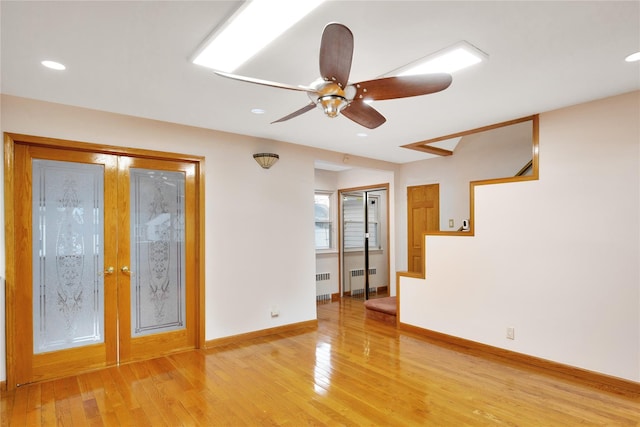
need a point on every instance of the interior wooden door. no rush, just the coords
(104, 260)
(157, 267)
(65, 306)
(423, 215)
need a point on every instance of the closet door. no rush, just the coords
(65, 303)
(156, 262)
(423, 215)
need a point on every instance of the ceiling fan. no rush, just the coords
(335, 95)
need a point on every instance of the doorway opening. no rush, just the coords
(364, 242)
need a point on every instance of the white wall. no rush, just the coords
(495, 153)
(259, 223)
(558, 258)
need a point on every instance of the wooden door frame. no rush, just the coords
(10, 140)
(341, 191)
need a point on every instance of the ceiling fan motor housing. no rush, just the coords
(332, 104)
(330, 97)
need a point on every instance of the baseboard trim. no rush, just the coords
(594, 379)
(234, 339)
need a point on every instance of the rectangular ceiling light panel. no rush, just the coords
(448, 60)
(254, 25)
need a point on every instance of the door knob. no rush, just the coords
(109, 270)
(125, 270)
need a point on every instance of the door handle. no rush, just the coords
(126, 270)
(109, 270)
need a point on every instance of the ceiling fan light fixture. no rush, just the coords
(252, 27)
(332, 104)
(449, 60)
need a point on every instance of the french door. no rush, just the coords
(364, 231)
(104, 250)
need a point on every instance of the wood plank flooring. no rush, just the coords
(349, 371)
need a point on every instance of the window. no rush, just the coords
(353, 214)
(324, 223)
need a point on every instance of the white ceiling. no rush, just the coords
(133, 58)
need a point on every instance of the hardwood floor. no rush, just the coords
(348, 371)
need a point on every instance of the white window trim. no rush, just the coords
(332, 222)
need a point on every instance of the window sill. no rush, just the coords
(326, 252)
(371, 250)
(347, 251)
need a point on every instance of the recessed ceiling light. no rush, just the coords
(54, 65)
(634, 57)
(361, 134)
(258, 111)
(254, 25)
(449, 60)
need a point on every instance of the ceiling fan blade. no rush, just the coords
(264, 82)
(336, 53)
(402, 86)
(363, 114)
(303, 110)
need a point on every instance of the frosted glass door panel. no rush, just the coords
(157, 251)
(68, 255)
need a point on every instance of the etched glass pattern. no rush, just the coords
(157, 251)
(68, 255)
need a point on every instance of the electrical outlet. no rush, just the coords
(451, 223)
(511, 333)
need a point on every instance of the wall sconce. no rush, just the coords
(266, 160)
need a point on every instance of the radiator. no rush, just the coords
(323, 287)
(356, 282)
